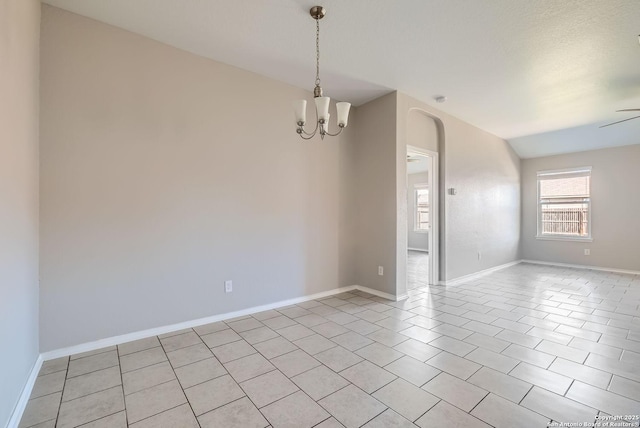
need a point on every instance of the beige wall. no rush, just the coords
(416, 240)
(615, 207)
(421, 129)
(375, 199)
(164, 174)
(348, 193)
(484, 216)
(19, 32)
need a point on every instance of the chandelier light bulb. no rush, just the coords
(322, 106)
(300, 110)
(343, 113)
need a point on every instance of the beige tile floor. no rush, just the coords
(519, 348)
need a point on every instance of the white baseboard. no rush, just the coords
(18, 410)
(117, 340)
(568, 265)
(381, 293)
(479, 273)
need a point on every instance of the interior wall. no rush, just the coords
(480, 225)
(416, 240)
(164, 174)
(421, 130)
(19, 39)
(615, 206)
(375, 213)
(348, 193)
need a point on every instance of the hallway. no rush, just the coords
(417, 269)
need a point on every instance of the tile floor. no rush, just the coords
(417, 269)
(518, 348)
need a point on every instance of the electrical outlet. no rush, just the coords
(587, 252)
(380, 270)
(228, 286)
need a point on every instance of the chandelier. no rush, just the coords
(322, 102)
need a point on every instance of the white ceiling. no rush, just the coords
(515, 68)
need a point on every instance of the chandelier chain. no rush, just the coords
(317, 52)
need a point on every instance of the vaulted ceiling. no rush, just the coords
(543, 74)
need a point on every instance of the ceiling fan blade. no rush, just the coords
(630, 109)
(620, 121)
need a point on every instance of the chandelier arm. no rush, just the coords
(310, 133)
(315, 129)
(307, 138)
(337, 133)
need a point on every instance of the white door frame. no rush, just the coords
(434, 211)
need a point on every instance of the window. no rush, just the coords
(564, 204)
(421, 214)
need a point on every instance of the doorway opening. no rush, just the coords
(422, 218)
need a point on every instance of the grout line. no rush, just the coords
(135, 352)
(47, 374)
(64, 384)
(363, 391)
(149, 387)
(525, 395)
(478, 403)
(164, 411)
(95, 353)
(178, 381)
(226, 373)
(103, 417)
(254, 404)
(46, 395)
(324, 420)
(144, 367)
(569, 388)
(251, 378)
(429, 409)
(216, 408)
(223, 344)
(387, 408)
(93, 371)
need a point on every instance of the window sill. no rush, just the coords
(564, 238)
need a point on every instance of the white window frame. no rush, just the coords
(559, 172)
(416, 187)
